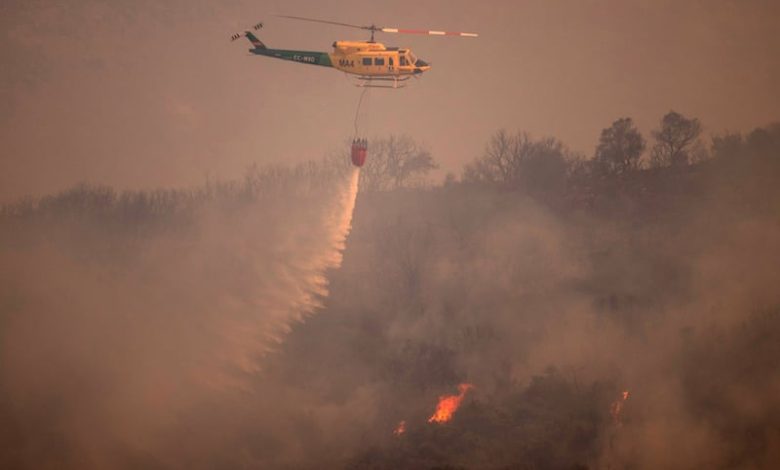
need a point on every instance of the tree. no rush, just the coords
(764, 142)
(620, 147)
(727, 146)
(519, 162)
(497, 164)
(674, 140)
(395, 162)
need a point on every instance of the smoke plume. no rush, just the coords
(144, 329)
(115, 328)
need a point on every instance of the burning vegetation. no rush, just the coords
(616, 408)
(400, 429)
(449, 404)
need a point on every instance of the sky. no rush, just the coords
(146, 94)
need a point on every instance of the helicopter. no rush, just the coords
(372, 63)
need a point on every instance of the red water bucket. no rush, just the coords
(359, 152)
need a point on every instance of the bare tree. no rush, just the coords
(498, 163)
(519, 162)
(675, 140)
(395, 162)
(620, 147)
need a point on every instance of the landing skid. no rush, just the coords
(381, 82)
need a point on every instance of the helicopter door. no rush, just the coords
(390, 63)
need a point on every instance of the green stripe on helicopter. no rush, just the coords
(306, 57)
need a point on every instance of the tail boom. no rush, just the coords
(304, 57)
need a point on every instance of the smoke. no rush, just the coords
(552, 315)
(138, 336)
(119, 334)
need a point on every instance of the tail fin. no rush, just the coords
(255, 42)
(252, 38)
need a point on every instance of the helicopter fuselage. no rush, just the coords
(362, 58)
(367, 58)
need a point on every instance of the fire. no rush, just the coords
(617, 407)
(448, 405)
(400, 429)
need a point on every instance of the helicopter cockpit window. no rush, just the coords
(366, 60)
(379, 61)
(412, 58)
(402, 60)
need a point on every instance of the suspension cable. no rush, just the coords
(357, 111)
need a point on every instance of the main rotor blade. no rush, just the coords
(326, 22)
(385, 30)
(428, 32)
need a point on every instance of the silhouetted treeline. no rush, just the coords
(620, 171)
(542, 168)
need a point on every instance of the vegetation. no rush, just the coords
(517, 161)
(551, 282)
(674, 140)
(620, 147)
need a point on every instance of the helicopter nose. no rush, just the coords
(421, 66)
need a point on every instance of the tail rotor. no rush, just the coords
(256, 27)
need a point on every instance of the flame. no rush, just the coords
(400, 429)
(448, 405)
(617, 407)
